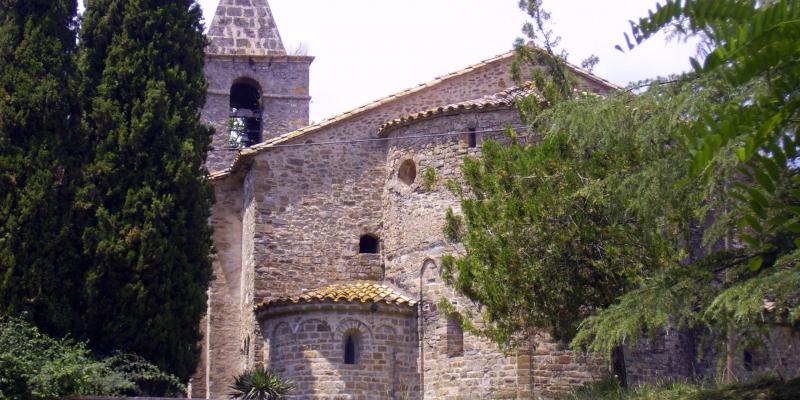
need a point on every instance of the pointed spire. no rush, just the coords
(244, 27)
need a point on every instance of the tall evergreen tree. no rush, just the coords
(40, 158)
(146, 191)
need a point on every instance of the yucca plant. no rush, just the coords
(260, 383)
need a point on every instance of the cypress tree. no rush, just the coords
(40, 158)
(148, 239)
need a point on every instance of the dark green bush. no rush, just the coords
(764, 388)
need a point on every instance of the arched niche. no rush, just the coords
(245, 113)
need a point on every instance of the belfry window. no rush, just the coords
(245, 114)
(368, 244)
(351, 348)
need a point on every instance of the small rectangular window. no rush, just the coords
(472, 138)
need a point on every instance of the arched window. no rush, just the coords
(351, 342)
(245, 113)
(455, 336)
(368, 244)
(407, 172)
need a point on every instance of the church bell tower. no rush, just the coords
(256, 91)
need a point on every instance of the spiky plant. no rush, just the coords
(260, 383)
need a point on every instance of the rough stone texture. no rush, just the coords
(777, 354)
(299, 209)
(305, 343)
(668, 355)
(414, 243)
(305, 209)
(244, 27)
(289, 216)
(223, 354)
(284, 89)
(556, 370)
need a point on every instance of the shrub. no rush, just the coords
(147, 379)
(763, 388)
(260, 383)
(34, 366)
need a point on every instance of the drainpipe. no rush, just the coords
(420, 335)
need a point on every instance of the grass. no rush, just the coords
(767, 388)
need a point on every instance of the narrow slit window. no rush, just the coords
(350, 349)
(472, 138)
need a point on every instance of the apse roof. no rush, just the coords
(353, 292)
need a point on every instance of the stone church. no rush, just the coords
(329, 236)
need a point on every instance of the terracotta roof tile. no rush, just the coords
(355, 292)
(504, 99)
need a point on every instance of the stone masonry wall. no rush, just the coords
(311, 203)
(315, 198)
(668, 355)
(414, 245)
(306, 345)
(222, 358)
(284, 89)
(308, 202)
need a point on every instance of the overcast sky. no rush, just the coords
(367, 49)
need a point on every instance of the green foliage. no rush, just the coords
(104, 201)
(146, 198)
(762, 388)
(146, 378)
(40, 164)
(557, 231)
(543, 248)
(35, 366)
(552, 79)
(260, 384)
(429, 178)
(746, 142)
(752, 44)
(609, 389)
(594, 233)
(453, 227)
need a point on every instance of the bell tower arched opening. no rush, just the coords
(245, 113)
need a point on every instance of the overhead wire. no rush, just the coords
(396, 138)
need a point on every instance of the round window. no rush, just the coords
(407, 172)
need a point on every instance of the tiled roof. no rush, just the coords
(504, 99)
(355, 292)
(261, 147)
(249, 152)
